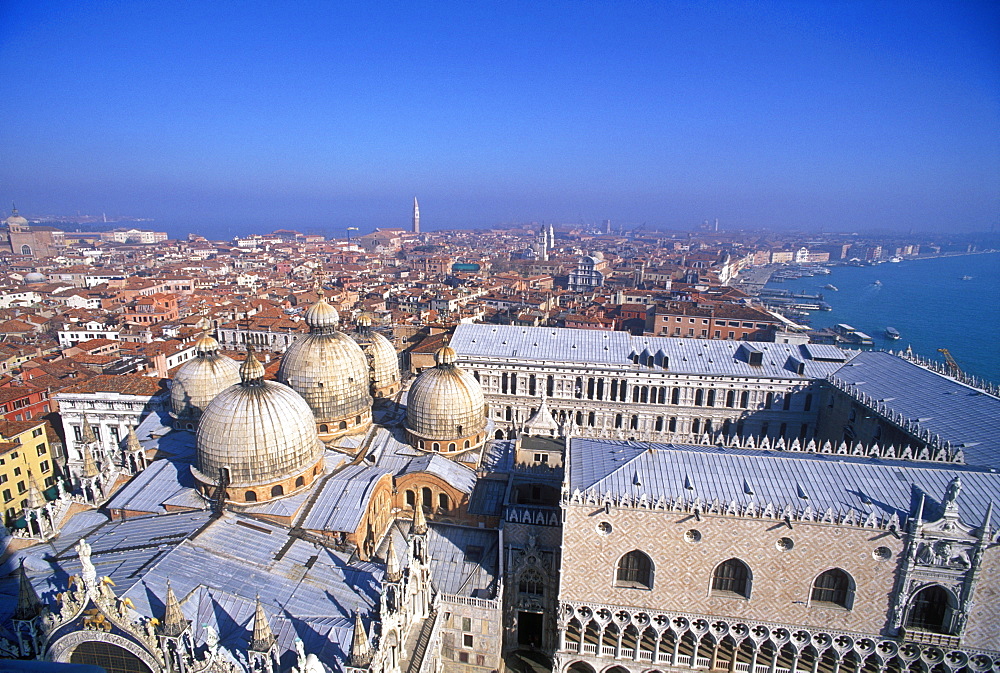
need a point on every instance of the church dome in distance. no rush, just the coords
(259, 437)
(16, 219)
(34, 277)
(330, 371)
(445, 407)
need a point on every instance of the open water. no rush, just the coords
(926, 300)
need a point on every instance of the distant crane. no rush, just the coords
(953, 368)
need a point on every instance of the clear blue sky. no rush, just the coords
(314, 115)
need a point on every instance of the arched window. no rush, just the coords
(250, 496)
(25, 249)
(411, 499)
(531, 583)
(635, 570)
(930, 610)
(699, 397)
(443, 501)
(732, 577)
(833, 587)
(466, 444)
(428, 497)
(436, 446)
(324, 428)
(451, 446)
(675, 396)
(277, 490)
(110, 657)
(301, 481)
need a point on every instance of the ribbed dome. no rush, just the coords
(261, 431)
(321, 315)
(329, 370)
(200, 379)
(385, 362)
(445, 402)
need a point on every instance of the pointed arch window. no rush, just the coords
(732, 578)
(531, 583)
(635, 569)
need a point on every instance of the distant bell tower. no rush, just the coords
(416, 216)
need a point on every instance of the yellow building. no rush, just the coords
(25, 458)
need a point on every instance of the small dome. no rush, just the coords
(445, 356)
(34, 277)
(364, 320)
(446, 404)
(260, 432)
(200, 379)
(321, 315)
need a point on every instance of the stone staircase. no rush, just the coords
(419, 649)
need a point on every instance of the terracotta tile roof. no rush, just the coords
(128, 384)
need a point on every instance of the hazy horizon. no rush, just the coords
(316, 116)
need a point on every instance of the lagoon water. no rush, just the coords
(926, 300)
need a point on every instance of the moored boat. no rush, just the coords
(831, 286)
(891, 333)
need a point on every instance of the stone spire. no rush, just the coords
(263, 638)
(173, 619)
(419, 521)
(416, 216)
(35, 498)
(28, 604)
(132, 442)
(89, 464)
(361, 651)
(393, 572)
(541, 422)
(88, 432)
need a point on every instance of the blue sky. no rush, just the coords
(323, 115)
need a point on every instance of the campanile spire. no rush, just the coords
(416, 216)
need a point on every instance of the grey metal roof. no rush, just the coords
(164, 481)
(474, 342)
(745, 476)
(343, 499)
(459, 476)
(453, 568)
(964, 416)
(308, 591)
(487, 497)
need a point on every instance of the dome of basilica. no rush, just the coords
(200, 379)
(445, 407)
(261, 435)
(385, 376)
(330, 371)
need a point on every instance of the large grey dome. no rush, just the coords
(445, 407)
(330, 371)
(200, 379)
(261, 433)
